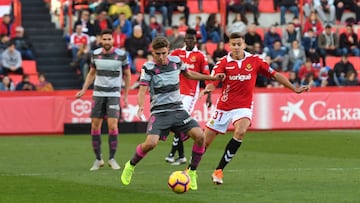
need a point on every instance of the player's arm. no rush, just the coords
(127, 79)
(88, 81)
(284, 81)
(198, 76)
(140, 100)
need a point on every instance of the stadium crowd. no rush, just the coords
(299, 51)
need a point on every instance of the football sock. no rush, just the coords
(113, 134)
(197, 152)
(139, 154)
(181, 149)
(229, 152)
(175, 145)
(96, 143)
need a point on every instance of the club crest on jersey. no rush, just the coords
(193, 59)
(248, 67)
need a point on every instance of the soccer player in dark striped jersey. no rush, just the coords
(108, 67)
(161, 78)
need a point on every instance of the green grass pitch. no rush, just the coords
(285, 166)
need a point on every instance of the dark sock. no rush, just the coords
(175, 145)
(113, 134)
(229, 152)
(139, 154)
(181, 149)
(197, 152)
(96, 143)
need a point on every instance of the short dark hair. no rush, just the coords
(235, 35)
(106, 31)
(160, 42)
(190, 32)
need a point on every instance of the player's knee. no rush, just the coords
(199, 138)
(239, 134)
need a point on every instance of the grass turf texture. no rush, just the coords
(301, 166)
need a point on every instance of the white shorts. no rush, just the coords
(220, 120)
(188, 103)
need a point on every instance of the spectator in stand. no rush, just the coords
(342, 68)
(201, 34)
(77, 39)
(351, 79)
(294, 79)
(219, 52)
(270, 37)
(158, 5)
(349, 42)
(328, 43)
(288, 5)
(84, 21)
(23, 44)
(307, 7)
(176, 40)
(119, 38)
(297, 24)
(306, 69)
(124, 23)
(139, 20)
(310, 80)
(325, 6)
(100, 5)
(252, 6)
(135, 6)
(156, 28)
(11, 60)
(102, 22)
(7, 27)
(213, 28)
(289, 35)
(314, 23)
(277, 57)
(118, 8)
(25, 84)
(310, 44)
(258, 50)
(238, 25)
(234, 6)
(6, 84)
(82, 58)
(182, 26)
(137, 45)
(342, 5)
(252, 37)
(4, 40)
(43, 85)
(297, 57)
(180, 6)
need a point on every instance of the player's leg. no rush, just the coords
(140, 152)
(96, 143)
(113, 111)
(231, 148)
(97, 113)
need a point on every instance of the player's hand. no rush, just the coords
(219, 76)
(140, 114)
(79, 94)
(302, 89)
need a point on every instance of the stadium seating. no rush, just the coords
(29, 67)
(139, 62)
(211, 47)
(210, 6)
(266, 6)
(193, 7)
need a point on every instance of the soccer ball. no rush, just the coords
(179, 182)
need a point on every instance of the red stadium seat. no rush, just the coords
(34, 79)
(211, 47)
(266, 6)
(29, 66)
(260, 31)
(15, 78)
(332, 60)
(193, 6)
(210, 6)
(355, 60)
(139, 62)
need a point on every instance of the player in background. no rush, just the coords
(161, 77)
(194, 60)
(236, 101)
(108, 66)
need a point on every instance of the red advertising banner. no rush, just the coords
(39, 113)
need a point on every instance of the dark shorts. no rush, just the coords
(105, 106)
(176, 121)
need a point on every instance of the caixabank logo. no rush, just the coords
(318, 110)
